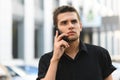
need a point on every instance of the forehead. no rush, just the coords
(67, 16)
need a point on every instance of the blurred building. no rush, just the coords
(26, 29)
(101, 22)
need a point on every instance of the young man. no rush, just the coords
(72, 59)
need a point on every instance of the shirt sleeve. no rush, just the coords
(42, 67)
(106, 63)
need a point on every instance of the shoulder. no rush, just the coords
(95, 48)
(47, 55)
(45, 59)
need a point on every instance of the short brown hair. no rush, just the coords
(63, 9)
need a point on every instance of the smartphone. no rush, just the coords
(64, 37)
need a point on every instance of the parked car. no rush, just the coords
(14, 72)
(116, 73)
(4, 74)
(23, 72)
(31, 70)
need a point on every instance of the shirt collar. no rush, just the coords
(83, 47)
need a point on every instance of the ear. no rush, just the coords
(80, 26)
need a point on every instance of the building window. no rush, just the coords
(15, 39)
(39, 41)
(21, 1)
(41, 4)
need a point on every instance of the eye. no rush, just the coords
(63, 22)
(74, 21)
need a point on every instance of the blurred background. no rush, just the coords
(27, 31)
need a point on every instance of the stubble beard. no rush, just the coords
(73, 39)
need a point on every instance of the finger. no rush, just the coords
(64, 46)
(64, 43)
(60, 37)
(56, 34)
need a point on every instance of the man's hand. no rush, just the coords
(59, 46)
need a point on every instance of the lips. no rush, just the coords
(71, 32)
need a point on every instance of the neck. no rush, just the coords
(73, 49)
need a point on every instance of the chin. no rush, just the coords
(73, 39)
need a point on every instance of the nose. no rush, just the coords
(71, 26)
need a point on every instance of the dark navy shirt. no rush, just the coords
(91, 63)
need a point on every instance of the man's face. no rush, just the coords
(69, 23)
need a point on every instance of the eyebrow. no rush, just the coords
(74, 20)
(66, 20)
